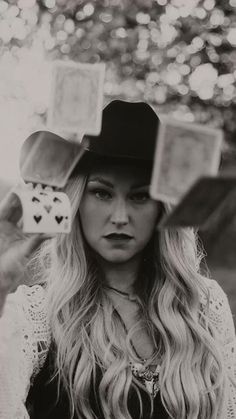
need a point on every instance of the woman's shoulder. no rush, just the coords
(215, 296)
(25, 322)
(28, 301)
(215, 302)
(24, 344)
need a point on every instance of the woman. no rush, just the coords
(123, 324)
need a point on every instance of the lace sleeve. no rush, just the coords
(221, 317)
(24, 342)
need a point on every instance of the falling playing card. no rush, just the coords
(201, 203)
(184, 152)
(224, 215)
(77, 97)
(44, 211)
(48, 159)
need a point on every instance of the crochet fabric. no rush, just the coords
(25, 339)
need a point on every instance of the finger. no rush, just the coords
(16, 215)
(20, 224)
(47, 236)
(10, 208)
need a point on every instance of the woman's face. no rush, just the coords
(117, 215)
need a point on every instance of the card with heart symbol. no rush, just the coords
(44, 211)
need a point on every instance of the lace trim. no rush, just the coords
(35, 312)
(221, 319)
(25, 339)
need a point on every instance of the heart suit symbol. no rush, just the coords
(37, 218)
(59, 218)
(34, 199)
(48, 208)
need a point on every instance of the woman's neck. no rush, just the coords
(121, 276)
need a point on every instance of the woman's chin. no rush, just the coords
(116, 257)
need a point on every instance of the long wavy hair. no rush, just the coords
(88, 333)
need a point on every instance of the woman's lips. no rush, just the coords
(118, 236)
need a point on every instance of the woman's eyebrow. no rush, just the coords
(140, 185)
(102, 181)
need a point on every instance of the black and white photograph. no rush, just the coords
(117, 209)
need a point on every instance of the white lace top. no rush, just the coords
(25, 340)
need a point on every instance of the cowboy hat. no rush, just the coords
(129, 131)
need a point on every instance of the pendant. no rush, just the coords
(149, 378)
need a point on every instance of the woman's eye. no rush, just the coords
(102, 194)
(140, 197)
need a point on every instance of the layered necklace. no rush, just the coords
(140, 370)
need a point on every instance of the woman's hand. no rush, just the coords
(16, 247)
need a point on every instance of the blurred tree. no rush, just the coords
(179, 55)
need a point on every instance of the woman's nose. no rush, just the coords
(120, 213)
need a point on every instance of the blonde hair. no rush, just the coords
(88, 333)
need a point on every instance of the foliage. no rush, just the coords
(179, 55)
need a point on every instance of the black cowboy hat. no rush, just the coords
(129, 131)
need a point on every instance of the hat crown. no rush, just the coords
(129, 130)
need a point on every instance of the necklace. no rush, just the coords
(149, 378)
(141, 371)
(130, 297)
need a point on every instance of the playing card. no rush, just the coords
(44, 211)
(48, 159)
(224, 215)
(184, 152)
(76, 97)
(201, 203)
